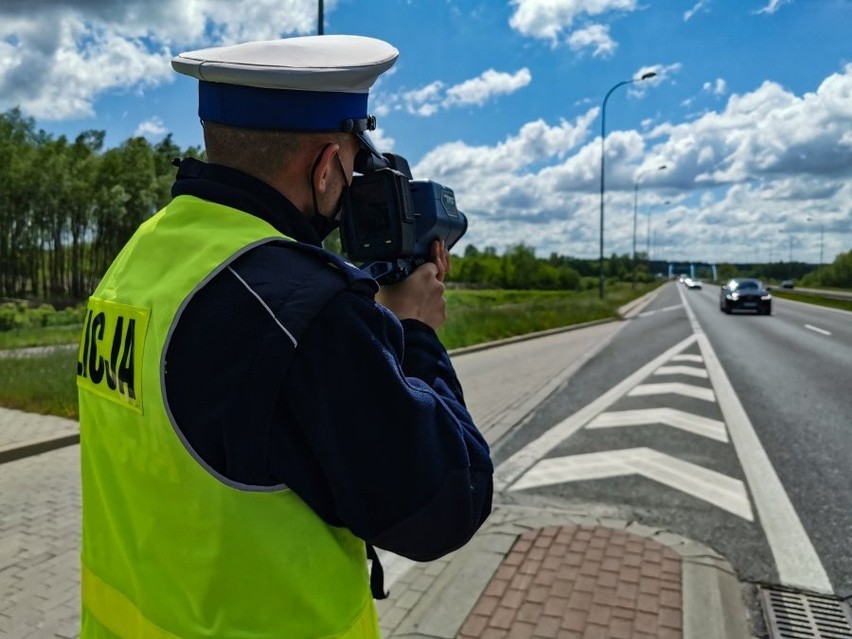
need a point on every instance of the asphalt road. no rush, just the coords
(732, 430)
(793, 374)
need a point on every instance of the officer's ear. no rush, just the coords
(323, 167)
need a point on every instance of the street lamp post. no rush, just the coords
(659, 244)
(790, 255)
(644, 76)
(320, 19)
(648, 232)
(635, 206)
(821, 236)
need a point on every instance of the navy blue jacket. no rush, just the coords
(365, 419)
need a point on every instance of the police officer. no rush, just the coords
(256, 414)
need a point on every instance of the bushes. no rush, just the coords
(838, 274)
(517, 269)
(20, 315)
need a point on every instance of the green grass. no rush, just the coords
(477, 316)
(48, 336)
(44, 384)
(808, 298)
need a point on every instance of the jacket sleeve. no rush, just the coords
(378, 405)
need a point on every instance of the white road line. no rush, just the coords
(659, 310)
(681, 370)
(526, 457)
(795, 557)
(696, 424)
(705, 484)
(674, 388)
(687, 357)
(818, 330)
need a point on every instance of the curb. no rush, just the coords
(712, 603)
(526, 336)
(20, 450)
(628, 311)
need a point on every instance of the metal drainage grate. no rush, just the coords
(793, 615)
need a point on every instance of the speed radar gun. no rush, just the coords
(390, 220)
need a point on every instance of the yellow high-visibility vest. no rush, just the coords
(171, 549)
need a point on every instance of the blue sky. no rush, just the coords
(750, 111)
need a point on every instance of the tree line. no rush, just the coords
(519, 268)
(68, 206)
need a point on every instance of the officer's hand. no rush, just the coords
(420, 296)
(441, 258)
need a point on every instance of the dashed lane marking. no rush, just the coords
(818, 330)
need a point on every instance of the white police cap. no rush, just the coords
(311, 83)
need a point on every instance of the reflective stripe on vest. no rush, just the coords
(169, 550)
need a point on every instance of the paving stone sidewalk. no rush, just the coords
(551, 574)
(528, 573)
(26, 434)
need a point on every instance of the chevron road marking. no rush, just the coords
(526, 457)
(687, 357)
(675, 388)
(682, 370)
(708, 485)
(696, 424)
(796, 559)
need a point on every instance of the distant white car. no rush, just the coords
(692, 282)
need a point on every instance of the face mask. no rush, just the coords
(322, 224)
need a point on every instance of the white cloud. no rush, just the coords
(767, 133)
(768, 160)
(151, 128)
(381, 140)
(595, 36)
(535, 142)
(663, 73)
(490, 83)
(701, 5)
(55, 62)
(773, 6)
(507, 194)
(719, 87)
(546, 19)
(425, 100)
(434, 96)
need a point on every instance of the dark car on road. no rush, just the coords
(745, 294)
